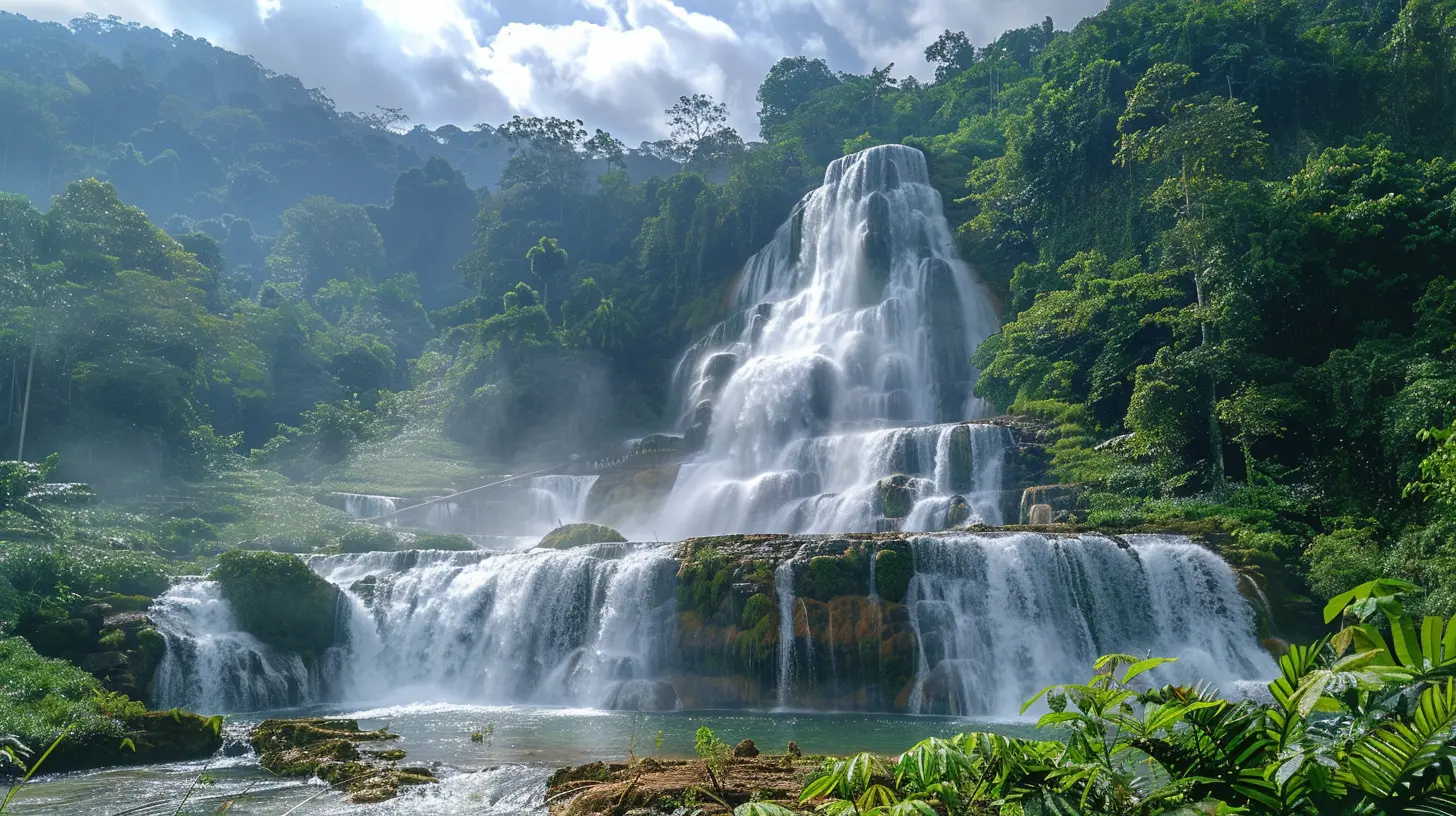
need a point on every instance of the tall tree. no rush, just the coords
(548, 265)
(323, 240)
(791, 83)
(693, 119)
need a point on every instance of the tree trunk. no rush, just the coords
(25, 407)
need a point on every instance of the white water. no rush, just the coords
(585, 627)
(558, 500)
(214, 668)
(855, 326)
(363, 506)
(998, 617)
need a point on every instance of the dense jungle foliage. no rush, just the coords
(1221, 234)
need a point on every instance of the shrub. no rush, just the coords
(40, 566)
(436, 541)
(40, 696)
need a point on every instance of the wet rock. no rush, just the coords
(896, 495)
(720, 366)
(878, 248)
(1039, 514)
(658, 442)
(570, 536)
(958, 512)
(793, 750)
(329, 750)
(745, 749)
(158, 736)
(1065, 503)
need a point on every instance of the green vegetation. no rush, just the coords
(43, 696)
(277, 598)
(569, 536)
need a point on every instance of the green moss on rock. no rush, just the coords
(893, 570)
(329, 750)
(447, 541)
(279, 600)
(367, 538)
(570, 536)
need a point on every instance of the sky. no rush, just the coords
(616, 64)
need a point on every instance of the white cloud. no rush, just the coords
(617, 64)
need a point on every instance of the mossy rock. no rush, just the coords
(436, 541)
(279, 600)
(367, 538)
(570, 536)
(830, 576)
(159, 736)
(893, 570)
(897, 496)
(329, 750)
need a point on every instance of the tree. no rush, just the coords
(790, 84)
(323, 240)
(605, 147)
(610, 326)
(692, 119)
(548, 265)
(1196, 144)
(951, 54)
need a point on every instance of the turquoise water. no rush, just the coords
(505, 776)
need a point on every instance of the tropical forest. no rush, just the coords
(1069, 430)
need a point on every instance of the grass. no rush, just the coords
(41, 697)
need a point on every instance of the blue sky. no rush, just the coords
(614, 63)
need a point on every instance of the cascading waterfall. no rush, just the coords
(784, 586)
(998, 617)
(363, 506)
(854, 330)
(587, 626)
(557, 500)
(213, 667)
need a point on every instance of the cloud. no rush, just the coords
(617, 64)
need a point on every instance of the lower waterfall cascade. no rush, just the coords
(989, 618)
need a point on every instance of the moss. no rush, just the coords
(830, 576)
(329, 750)
(897, 498)
(279, 600)
(366, 538)
(579, 535)
(435, 541)
(893, 570)
(705, 582)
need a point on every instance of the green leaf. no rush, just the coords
(1380, 587)
(1145, 665)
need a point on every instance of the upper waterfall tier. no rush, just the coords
(857, 317)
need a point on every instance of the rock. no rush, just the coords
(896, 496)
(745, 749)
(720, 366)
(643, 695)
(957, 512)
(571, 536)
(793, 750)
(329, 750)
(103, 663)
(365, 588)
(64, 637)
(1066, 503)
(894, 567)
(159, 736)
(624, 495)
(878, 248)
(1039, 514)
(276, 598)
(367, 538)
(656, 443)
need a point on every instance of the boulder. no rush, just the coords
(958, 512)
(643, 695)
(745, 749)
(276, 598)
(367, 538)
(878, 248)
(896, 496)
(1066, 503)
(158, 737)
(1039, 514)
(570, 536)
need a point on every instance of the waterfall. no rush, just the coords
(363, 506)
(212, 667)
(558, 500)
(998, 617)
(784, 587)
(587, 626)
(851, 338)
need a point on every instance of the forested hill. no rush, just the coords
(1222, 233)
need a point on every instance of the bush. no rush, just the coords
(279, 600)
(1343, 559)
(40, 696)
(40, 566)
